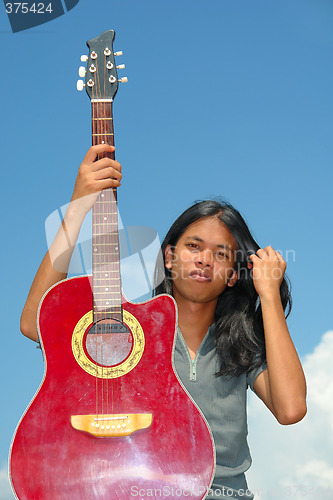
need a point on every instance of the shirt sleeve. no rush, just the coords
(253, 374)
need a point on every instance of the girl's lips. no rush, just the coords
(201, 276)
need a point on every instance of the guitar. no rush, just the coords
(110, 419)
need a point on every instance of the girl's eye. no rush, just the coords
(222, 256)
(193, 246)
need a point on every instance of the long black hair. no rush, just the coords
(239, 332)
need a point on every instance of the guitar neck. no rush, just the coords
(105, 251)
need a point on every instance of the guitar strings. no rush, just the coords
(106, 206)
(105, 247)
(94, 275)
(107, 210)
(102, 250)
(108, 240)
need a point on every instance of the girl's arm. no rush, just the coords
(282, 386)
(93, 176)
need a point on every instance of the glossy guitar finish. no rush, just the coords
(52, 460)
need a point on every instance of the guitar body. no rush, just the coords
(54, 457)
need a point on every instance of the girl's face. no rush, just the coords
(202, 263)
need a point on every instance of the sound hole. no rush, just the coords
(109, 342)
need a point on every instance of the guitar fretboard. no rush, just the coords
(106, 255)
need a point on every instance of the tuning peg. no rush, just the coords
(84, 58)
(120, 53)
(82, 71)
(80, 85)
(121, 66)
(124, 79)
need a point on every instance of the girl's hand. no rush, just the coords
(268, 268)
(93, 176)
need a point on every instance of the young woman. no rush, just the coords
(231, 297)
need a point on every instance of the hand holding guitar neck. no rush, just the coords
(94, 176)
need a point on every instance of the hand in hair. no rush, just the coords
(268, 268)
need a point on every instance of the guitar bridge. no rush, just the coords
(111, 425)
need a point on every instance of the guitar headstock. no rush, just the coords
(101, 78)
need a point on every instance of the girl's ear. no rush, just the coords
(233, 279)
(168, 256)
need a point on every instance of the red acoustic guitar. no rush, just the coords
(110, 419)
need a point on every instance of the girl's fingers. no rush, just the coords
(108, 173)
(93, 151)
(107, 183)
(105, 163)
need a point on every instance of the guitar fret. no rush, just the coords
(101, 279)
(105, 239)
(115, 268)
(103, 285)
(108, 253)
(104, 202)
(105, 307)
(101, 298)
(116, 305)
(104, 243)
(102, 266)
(101, 134)
(101, 100)
(106, 222)
(108, 305)
(98, 119)
(107, 281)
(109, 262)
(109, 271)
(106, 213)
(108, 285)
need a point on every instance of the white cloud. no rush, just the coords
(5, 489)
(296, 462)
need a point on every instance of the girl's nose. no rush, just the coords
(206, 257)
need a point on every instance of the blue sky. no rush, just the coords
(224, 98)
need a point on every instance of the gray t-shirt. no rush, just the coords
(223, 402)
